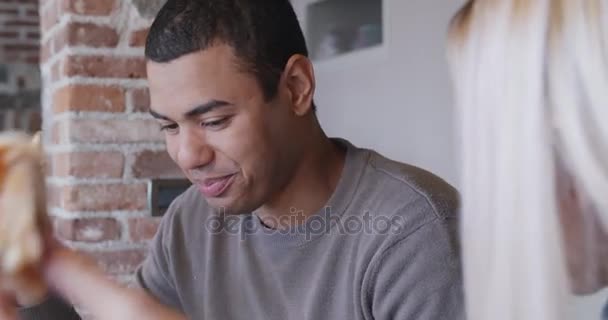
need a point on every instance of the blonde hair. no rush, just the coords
(531, 84)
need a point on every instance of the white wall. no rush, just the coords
(397, 99)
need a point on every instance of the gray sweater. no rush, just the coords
(384, 247)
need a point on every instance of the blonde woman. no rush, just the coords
(531, 80)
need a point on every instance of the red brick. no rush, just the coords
(88, 229)
(155, 164)
(53, 193)
(87, 34)
(59, 41)
(32, 13)
(49, 17)
(33, 59)
(9, 34)
(45, 51)
(140, 99)
(89, 7)
(104, 197)
(21, 23)
(143, 229)
(107, 164)
(89, 98)
(113, 131)
(138, 38)
(33, 35)
(59, 133)
(21, 47)
(105, 67)
(119, 261)
(9, 12)
(55, 74)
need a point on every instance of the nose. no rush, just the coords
(193, 150)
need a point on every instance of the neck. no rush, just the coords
(312, 183)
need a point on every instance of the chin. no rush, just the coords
(231, 206)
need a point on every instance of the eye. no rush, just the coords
(216, 123)
(170, 128)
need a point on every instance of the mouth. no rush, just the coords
(215, 187)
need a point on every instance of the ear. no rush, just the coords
(299, 82)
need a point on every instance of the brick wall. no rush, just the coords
(19, 70)
(102, 145)
(19, 31)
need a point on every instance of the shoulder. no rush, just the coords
(421, 254)
(408, 208)
(397, 188)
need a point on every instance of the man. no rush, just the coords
(281, 222)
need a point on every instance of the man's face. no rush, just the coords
(233, 145)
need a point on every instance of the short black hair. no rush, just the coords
(263, 33)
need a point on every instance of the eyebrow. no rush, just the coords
(196, 111)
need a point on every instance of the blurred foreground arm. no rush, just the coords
(84, 284)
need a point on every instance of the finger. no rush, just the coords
(7, 308)
(8, 299)
(7, 313)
